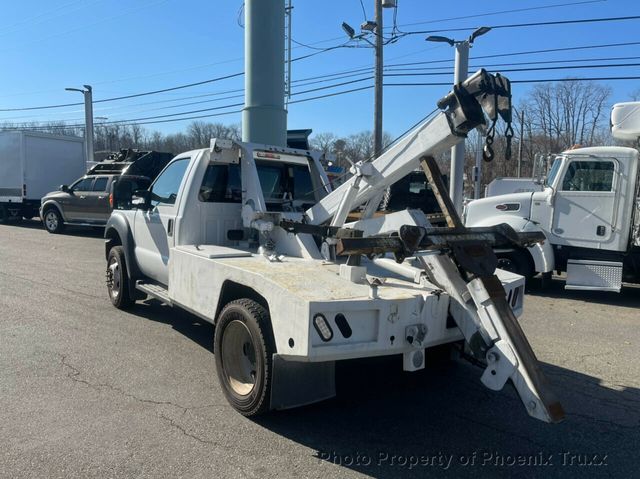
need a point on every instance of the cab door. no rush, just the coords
(97, 202)
(75, 204)
(585, 203)
(154, 228)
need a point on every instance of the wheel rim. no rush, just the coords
(113, 278)
(51, 220)
(239, 358)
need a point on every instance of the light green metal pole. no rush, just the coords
(264, 118)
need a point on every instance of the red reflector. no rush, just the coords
(110, 200)
(266, 154)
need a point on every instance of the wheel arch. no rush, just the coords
(541, 255)
(232, 290)
(118, 233)
(47, 205)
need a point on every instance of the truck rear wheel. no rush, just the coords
(117, 279)
(52, 220)
(243, 351)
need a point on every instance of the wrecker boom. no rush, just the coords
(467, 269)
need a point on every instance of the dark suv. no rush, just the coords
(89, 200)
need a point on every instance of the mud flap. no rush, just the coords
(296, 383)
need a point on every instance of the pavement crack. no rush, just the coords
(184, 431)
(57, 285)
(74, 375)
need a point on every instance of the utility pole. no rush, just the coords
(456, 181)
(88, 120)
(377, 107)
(521, 142)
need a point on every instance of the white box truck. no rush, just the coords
(33, 164)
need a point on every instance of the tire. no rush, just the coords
(243, 348)
(118, 279)
(52, 220)
(518, 262)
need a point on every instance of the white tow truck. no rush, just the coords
(588, 209)
(251, 238)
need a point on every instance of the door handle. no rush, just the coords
(170, 228)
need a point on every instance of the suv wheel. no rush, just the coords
(52, 220)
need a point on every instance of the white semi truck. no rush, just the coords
(589, 211)
(33, 164)
(251, 238)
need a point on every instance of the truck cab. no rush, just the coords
(587, 210)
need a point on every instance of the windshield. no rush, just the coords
(554, 171)
(286, 184)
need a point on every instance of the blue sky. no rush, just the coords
(125, 47)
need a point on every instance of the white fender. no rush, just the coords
(542, 254)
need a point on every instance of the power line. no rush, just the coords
(539, 80)
(517, 10)
(533, 24)
(507, 70)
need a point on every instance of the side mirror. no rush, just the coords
(141, 199)
(65, 189)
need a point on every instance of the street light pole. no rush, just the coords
(88, 120)
(456, 181)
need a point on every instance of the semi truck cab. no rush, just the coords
(589, 211)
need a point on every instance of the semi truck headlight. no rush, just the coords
(322, 327)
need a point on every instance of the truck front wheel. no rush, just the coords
(243, 349)
(518, 262)
(117, 279)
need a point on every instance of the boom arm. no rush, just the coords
(463, 110)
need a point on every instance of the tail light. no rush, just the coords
(111, 200)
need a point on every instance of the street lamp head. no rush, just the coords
(368, 26)
(74, 89)
(88, 87)
(480, 31)
(348, 29)
(437, 38)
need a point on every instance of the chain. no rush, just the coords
(487, 151)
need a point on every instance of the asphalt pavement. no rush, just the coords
(87, 390)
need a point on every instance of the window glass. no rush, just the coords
(165, 188)
(589, 176)
(285, 182)
(83, 184)
(553, 171)
(221, 184)
(100, 184)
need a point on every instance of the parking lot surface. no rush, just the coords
(90, 391)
